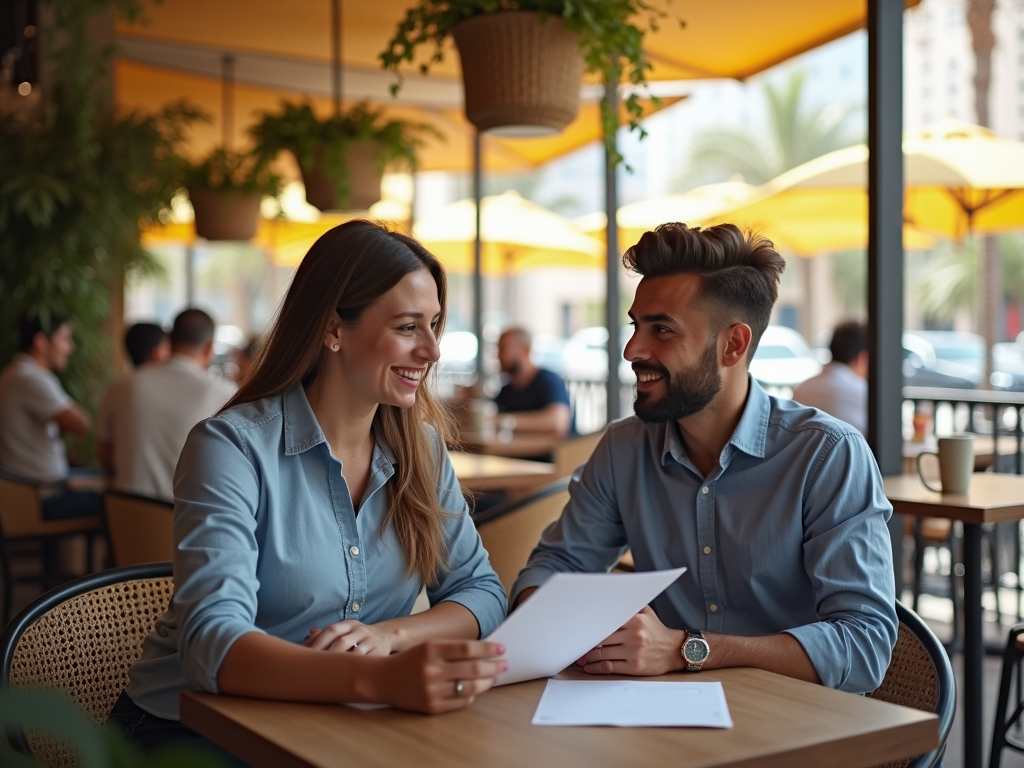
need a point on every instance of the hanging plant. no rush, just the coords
(226, 189)
(342, 158)
(517, 60)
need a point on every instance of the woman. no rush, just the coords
(310, 512)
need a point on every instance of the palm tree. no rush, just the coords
(794, 134)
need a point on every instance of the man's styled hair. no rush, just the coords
(192, 328)
(31, 324)
(849, 339)
(141, 339)
(739, 272)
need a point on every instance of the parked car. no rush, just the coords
(783, 358)
(961, 356)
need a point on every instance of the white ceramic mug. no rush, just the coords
(956, 463)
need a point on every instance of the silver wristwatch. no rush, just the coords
(695, 650)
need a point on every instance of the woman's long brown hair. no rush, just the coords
(345, 271)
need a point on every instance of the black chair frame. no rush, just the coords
(508, 507)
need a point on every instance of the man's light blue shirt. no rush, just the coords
(787, 533)
(267, 540)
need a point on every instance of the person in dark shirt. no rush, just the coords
(534, 399)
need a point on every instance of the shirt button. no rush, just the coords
(714, 607)
(707, 550)
(356, 607)
(704, 489)
(354, 551)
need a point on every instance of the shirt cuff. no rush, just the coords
(206, 652)
(488, 609)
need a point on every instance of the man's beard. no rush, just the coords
(687, 392)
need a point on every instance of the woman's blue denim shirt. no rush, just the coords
(267, 540)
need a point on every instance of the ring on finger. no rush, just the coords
(459, 688)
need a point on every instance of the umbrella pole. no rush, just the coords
(478, 282)
(611, 206)
(336, 55)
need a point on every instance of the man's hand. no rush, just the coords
(642, 646)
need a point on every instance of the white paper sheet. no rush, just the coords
(571, 614)
(633, 703)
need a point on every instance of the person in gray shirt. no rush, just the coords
(777, 509)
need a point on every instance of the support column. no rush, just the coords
(885, 247)
(478, 280)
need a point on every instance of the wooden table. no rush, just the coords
(514, 444)
(993, 498)
(779, 722)
(480, 474)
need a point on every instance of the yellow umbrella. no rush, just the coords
(517, 235)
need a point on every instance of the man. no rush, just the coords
(35, 410)
(841, 389)
(145, 426)
(776, 509)
(146, 344)
(534, 399)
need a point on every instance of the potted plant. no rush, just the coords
(523, 60)
(342, 158)
(226, 189)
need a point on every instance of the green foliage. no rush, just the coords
(75, 185)
(52, 713)
(794, 134)
(233, 172)
(950, 283)
(297, 129)
(610, 39)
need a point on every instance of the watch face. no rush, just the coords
(695, 651)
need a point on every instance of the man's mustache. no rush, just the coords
(637, 367)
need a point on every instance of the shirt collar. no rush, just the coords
(750, 434)
(302, 430)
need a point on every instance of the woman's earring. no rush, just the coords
(335, 348)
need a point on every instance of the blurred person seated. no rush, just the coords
(147, 343)
(841, 389)
(145, 420)
(777, 509)
(534, 399)
(35, 410)
(242, 357)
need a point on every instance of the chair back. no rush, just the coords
(140, 528)
(572, 453)
(20, 511)
(81, 638)
(919, 676)
(510, 531)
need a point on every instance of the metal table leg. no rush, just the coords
(973, 647)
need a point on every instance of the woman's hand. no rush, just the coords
(354, 636)
(439, 675)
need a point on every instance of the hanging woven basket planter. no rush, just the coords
(358, 191)
(522, 75)
(225, 215)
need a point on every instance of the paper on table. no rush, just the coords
(633, 703)
(571, 614)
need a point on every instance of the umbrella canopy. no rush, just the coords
(959, 178)
(517, 235)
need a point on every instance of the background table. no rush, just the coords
(480, 474)
(779, 722)
(993, 498)
(516, 444)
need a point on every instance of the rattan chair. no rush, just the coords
(81, 638)
(21, 521)
(140, 528)
(511, 530)
(573, 453)
(920, 676)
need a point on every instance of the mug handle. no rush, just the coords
(920, 474)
